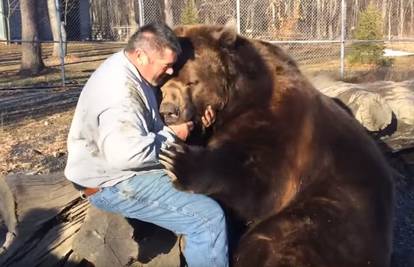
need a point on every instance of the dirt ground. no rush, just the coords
(81, 60)
(35, 112)
(35, 145)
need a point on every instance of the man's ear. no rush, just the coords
(142, 57)
(145, 60)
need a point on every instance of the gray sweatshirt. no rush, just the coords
(116, 129)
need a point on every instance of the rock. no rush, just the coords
(384, 108)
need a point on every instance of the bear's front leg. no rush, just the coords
(185, 165)
(206, 170)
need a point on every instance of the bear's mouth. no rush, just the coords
(170, 113)
(170, 118)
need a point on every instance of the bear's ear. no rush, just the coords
(226, 36)
(179, 30)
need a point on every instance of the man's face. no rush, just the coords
(159, 65)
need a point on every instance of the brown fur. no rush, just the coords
(302, 175)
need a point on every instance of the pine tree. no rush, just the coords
(369, 27)
(189, 14)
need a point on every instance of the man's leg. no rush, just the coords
(151, 197)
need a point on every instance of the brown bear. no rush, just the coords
(301, 174)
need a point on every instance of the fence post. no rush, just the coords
(343, 33)
(62, 51)
(238, 15)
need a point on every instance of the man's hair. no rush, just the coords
(154, 36)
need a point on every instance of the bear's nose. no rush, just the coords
(169, 112)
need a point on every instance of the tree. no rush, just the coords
(169, 19)
(56, 28)
(31, 53)
(132, 17)
(189, 15)
(369, 27)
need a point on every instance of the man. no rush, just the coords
(114, 142)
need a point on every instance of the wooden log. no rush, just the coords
(107, 239)
(8, 214)
(54, 227)
(49, 212)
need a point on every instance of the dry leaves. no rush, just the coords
(35, 145)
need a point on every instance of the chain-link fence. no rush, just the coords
(317, 33)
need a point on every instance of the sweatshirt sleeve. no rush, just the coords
(126, 142)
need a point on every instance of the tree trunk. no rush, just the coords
(411, 17)
(402, 18)
(355, 13)
(384, 6)
(132, 17)
(389, 20)
(55, 27)
(318, 19)
(169, 19)
(31, 53)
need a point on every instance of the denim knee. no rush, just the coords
(214, 220)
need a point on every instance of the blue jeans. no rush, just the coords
(150, 197)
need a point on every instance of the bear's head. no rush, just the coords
(218, 68)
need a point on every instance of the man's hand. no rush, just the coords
(182, 131)
(209, 117)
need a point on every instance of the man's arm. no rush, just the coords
(125, 140)
(127, 143)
